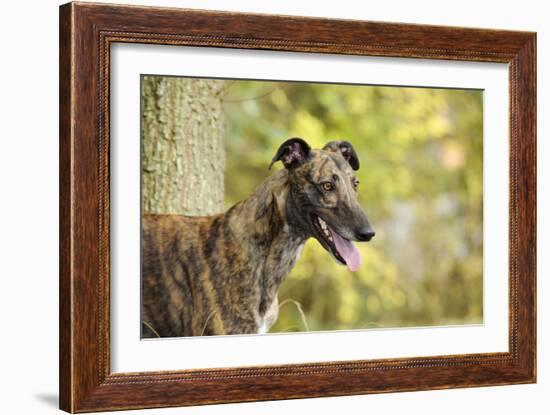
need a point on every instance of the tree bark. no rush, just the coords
(182, 146)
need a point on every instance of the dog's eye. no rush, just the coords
(355, 183)
(327, 186)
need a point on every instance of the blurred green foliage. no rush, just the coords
(421, 153)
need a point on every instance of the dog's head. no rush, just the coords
(323, 192)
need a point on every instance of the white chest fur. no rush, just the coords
(269, 318)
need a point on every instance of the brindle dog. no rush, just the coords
(220, 274)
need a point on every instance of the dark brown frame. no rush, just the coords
(86, 33)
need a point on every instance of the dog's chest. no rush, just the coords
(273, 274)
(269, 318)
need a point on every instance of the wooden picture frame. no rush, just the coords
(86, 33)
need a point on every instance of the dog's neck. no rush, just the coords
(275, 242)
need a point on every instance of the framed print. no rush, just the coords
(258, 207)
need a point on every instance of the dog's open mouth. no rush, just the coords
(341, 248)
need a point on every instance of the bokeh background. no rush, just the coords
(207, 144)
(421, 153)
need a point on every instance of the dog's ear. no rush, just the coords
(346, 150)
(292, 153)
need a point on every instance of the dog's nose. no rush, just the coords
(365, 234)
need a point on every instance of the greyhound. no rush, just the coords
(219, 275)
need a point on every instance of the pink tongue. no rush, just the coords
(348, 251)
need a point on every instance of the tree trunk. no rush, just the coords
(182, 146)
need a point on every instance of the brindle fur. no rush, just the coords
(220, 274)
